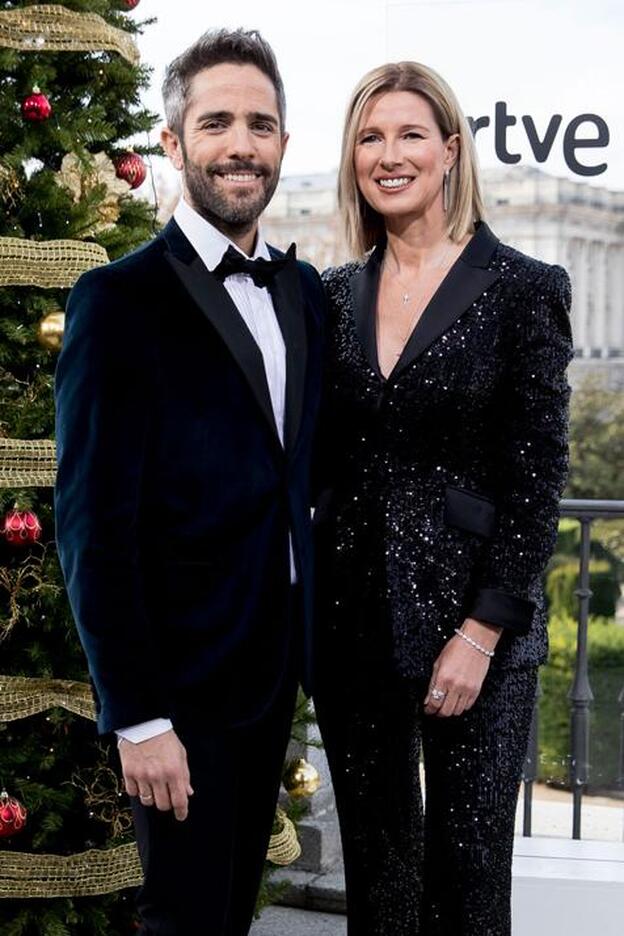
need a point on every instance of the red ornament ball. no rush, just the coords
(21, 527)
(130, 4)
(12, 815)
(36, 107)
(131, 168)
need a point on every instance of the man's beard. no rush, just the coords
(237, 211)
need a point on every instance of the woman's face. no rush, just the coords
(400, 156)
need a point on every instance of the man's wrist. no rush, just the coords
(145, 731)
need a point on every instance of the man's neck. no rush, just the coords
(244, 236)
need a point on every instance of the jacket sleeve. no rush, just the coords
(104, 389)
(533, 456)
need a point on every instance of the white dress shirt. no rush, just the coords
(255, 306)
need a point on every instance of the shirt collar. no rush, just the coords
(210, 243)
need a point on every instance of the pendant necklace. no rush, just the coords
(407, 297)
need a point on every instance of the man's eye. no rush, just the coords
(213, 125)
(264, 127)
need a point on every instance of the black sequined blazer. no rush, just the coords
(442, 482)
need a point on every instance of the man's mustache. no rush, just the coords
(239, 166)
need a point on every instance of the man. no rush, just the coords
(186, 395)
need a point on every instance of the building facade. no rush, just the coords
(558, 220)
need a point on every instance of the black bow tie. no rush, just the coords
(261, 271)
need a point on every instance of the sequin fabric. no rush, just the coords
(446, 872)
(484, 408)
(480, 409)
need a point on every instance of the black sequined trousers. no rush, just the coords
(444, 870)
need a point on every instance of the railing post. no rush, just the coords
(620, 779)
(529, 771)
(580, 694)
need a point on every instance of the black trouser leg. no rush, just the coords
(372, 730)
(201, 876)
(473, 768)
(371, 736)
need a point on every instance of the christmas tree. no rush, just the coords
(70, 89)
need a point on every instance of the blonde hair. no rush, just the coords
(363, 226)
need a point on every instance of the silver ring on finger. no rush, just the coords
(146, 798)
(437, 694)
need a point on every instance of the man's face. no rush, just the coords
(232, 146)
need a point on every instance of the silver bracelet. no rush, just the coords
(473, 643)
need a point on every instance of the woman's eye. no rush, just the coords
(369, 138)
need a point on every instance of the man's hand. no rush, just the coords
(157, 772)
(460, 670)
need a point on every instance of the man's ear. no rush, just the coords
(172, 146)
(285, 139)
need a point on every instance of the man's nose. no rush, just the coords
(241, 142)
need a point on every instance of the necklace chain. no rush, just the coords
(407, 296)
(441, 264)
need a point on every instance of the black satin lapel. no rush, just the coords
(461, 287)
(214, 301)
(288, 303)
(364, 290)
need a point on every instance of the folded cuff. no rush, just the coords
(504, 610)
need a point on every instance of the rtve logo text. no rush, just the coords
(584, 133)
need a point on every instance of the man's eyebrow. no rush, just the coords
(214, 115)
(229, 116)
(269, 118)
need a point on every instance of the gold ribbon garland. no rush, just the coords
(284, 847)
(53, 28)
(97, 871)
(102, 871)
(25, 463)
(48, 264)
(22, 696)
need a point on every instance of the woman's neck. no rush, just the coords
(415, 244)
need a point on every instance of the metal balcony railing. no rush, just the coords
(580, 695)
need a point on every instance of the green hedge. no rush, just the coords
(606, 674)
(563, 580)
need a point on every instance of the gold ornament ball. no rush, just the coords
(301, 779)
(50, 331)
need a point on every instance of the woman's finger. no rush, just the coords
(448, 706)
(460, 705)
(434, 699)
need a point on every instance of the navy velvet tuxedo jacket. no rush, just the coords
(174, 496)
(443, 481)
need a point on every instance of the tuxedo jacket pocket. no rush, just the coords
(469, 511)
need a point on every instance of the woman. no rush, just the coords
(444, 449)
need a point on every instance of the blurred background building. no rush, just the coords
(559, 220)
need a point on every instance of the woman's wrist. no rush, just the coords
(487, 635)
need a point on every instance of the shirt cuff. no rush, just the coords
(503, 609)
(144, 731)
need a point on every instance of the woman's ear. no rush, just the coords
(451, 153)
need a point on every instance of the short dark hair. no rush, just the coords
(218, 47)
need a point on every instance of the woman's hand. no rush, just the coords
(460, 670)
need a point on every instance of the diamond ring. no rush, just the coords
(437, 694)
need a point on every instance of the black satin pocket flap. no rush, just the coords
(469, 511)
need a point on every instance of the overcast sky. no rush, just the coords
(543, 57)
